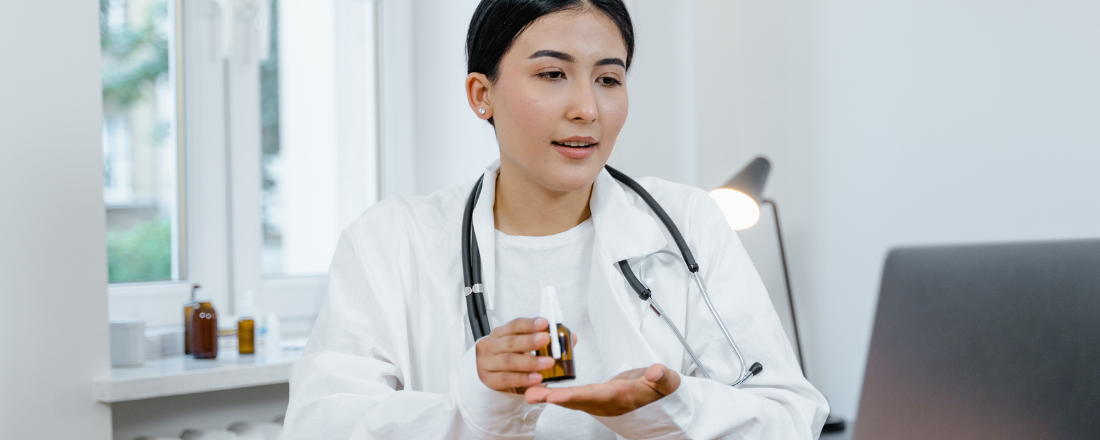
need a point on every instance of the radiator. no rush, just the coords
(236, 431)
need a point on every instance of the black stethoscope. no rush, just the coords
(475, 300)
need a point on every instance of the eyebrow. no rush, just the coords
(611, 61)
(569, 58)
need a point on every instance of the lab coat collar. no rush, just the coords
(485, 231)
(623, 230)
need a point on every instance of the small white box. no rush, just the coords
(127, 342)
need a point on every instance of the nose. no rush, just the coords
(582, 104)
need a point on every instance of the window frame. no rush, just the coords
(220, 200)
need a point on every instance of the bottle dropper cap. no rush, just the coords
(202, 295)
(552, 312)
(246, 307)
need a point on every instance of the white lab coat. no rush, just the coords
(391, 354)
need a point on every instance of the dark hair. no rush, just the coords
(497, 23)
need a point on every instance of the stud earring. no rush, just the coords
(481, 111)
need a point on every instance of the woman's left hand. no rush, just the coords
(624, 393)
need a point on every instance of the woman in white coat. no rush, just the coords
(392, 354)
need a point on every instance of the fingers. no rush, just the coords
(515, 362)
(594, 393)
(662, 379)
(520, 326)
(535, 395)
(504, 362)
(521, 343)
(512, 344)
(505, 381)
(636, 373)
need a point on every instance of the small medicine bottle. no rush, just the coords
(188, 307)
(561, 340)
(246, 325)
(204, 328)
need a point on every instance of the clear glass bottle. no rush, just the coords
(189, 307)
(561, 340)
(204, 329)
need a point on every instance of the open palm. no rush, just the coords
(624, 393)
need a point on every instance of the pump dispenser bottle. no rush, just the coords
(188, 307)
(204, 328)
(561, 340)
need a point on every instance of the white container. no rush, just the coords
(127, 342)
(273, 336)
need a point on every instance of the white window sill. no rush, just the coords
(184, 375)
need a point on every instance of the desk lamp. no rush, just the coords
(740, 199)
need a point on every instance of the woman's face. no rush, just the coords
(560, 99)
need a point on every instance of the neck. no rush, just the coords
(524, 207)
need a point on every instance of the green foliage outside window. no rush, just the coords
(135, 58)
(142, 253)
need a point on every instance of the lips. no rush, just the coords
(576, 147)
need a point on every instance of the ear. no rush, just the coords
(477, 93)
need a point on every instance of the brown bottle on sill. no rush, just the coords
(561, 340)
(246, 336)
(204, 329)
(246, 325)
(189, 307)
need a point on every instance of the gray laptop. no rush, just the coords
(986, 342)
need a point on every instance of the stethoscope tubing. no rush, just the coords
(471, 269)
(744, 374)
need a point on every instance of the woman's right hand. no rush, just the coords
(504, 359)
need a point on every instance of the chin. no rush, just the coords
(573, 178)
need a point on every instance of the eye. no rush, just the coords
(552, 75)
(608, 81)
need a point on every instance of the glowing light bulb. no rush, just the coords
(741, 211)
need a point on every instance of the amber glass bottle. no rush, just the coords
(561, 340)
(246, 336)
(563, 365)
(204, 330)
(189, 307)
(246, 325)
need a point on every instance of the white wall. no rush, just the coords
(53, 277)
(900, 123)
(658, 139)
(452, 144)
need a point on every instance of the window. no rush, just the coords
(240, 138)
(139, 141)
(316, 140)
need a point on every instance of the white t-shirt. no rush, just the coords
(524, 264)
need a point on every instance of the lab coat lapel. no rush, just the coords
(623, 231)
(485, 230)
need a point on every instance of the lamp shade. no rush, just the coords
(739, 198)
(750, 180)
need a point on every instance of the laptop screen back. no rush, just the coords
(986, 342)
